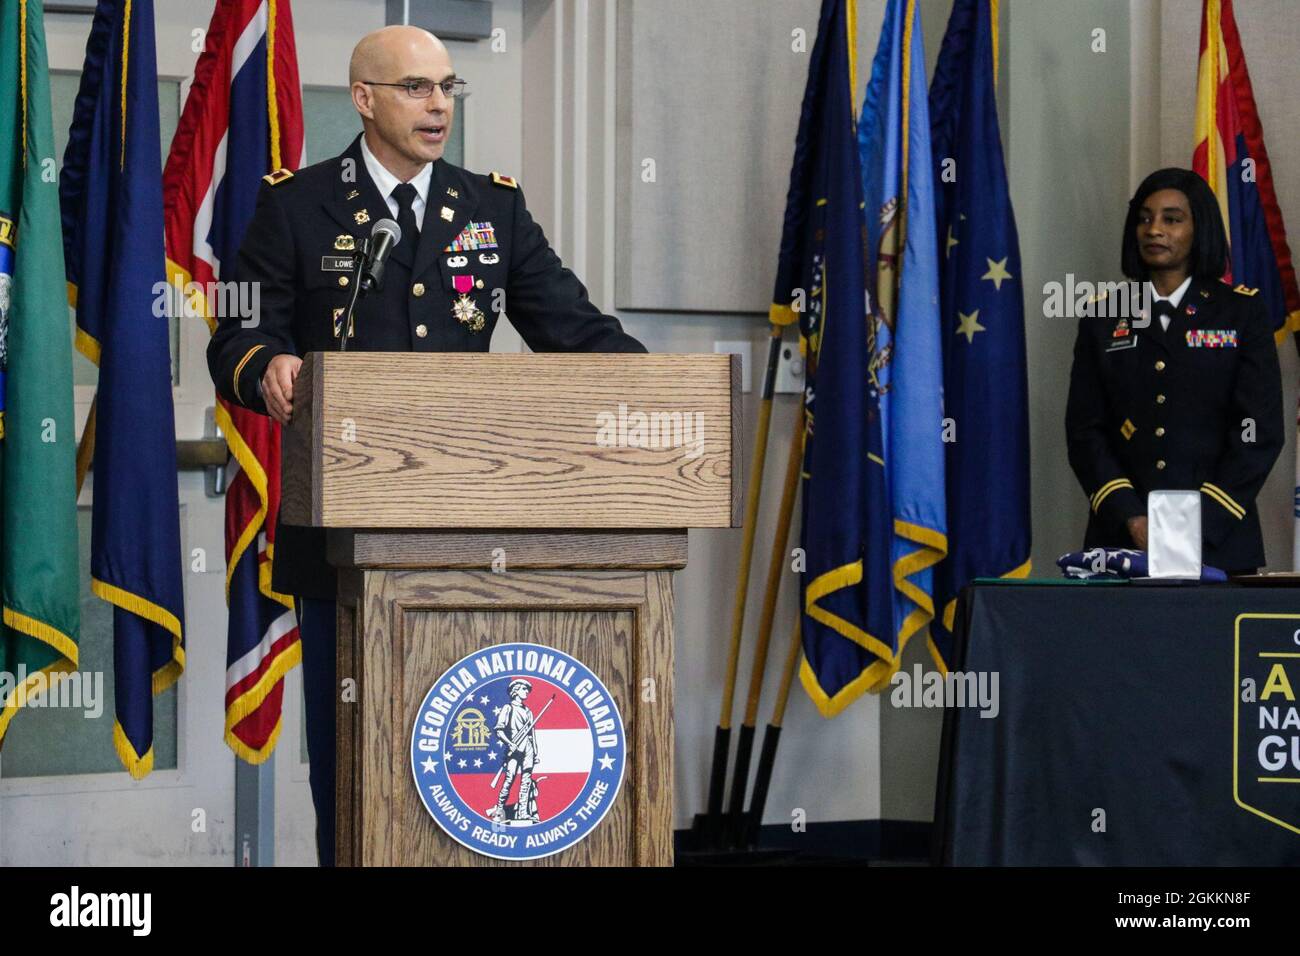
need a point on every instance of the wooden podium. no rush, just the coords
(475, 500)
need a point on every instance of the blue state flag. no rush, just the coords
(847, 617)
(906, 352)
(985, 378)
(111, 196)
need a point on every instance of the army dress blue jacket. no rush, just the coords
(1197, 407)
(479, 254)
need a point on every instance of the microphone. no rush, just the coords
(384, 237)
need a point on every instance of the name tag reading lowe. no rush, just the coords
(1174, 534)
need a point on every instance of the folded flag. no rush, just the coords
(1099, 563)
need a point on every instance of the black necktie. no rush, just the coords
(1161, 307)
(405, 195)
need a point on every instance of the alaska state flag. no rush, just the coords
(1230, 156)
(242, 120)
(985, 382)
(111, 193)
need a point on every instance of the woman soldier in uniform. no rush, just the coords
(1188, 397)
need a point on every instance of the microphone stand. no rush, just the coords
(362, 255)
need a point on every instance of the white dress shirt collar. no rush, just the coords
(386, 182)
(1175, 297)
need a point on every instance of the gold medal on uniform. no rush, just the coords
(468, 314)
(465, 309)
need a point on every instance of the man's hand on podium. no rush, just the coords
(277, 386)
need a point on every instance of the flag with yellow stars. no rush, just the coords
(986, 407)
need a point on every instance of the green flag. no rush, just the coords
(38, 515)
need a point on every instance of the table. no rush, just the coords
(1138, 724)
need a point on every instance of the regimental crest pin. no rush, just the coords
(518, 751)
(361, 217)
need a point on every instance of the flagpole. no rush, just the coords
(86, 447)
(776, 564)
(771, 737)
(722, 734)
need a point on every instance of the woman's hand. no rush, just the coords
(1137, 529)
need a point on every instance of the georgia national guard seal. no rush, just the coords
(518, 751)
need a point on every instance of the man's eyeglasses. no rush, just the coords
(423, 89)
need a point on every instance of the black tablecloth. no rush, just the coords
(1122, 736)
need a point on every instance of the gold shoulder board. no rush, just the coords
(277, 177)
(504, 180)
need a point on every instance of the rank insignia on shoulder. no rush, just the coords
(508, 181)
(277, 177)
(1244, 289)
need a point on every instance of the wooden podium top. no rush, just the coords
(520, 441)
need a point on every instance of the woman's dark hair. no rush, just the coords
(1209, 255)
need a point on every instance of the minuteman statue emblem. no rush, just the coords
(518, 751)
(517, 734)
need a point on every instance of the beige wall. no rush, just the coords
(1270, 35)
(1079, 128)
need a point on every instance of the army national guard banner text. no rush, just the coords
(1137, 725)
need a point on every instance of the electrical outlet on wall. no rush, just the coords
(789, 370)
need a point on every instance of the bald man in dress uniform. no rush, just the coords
(469, 252)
